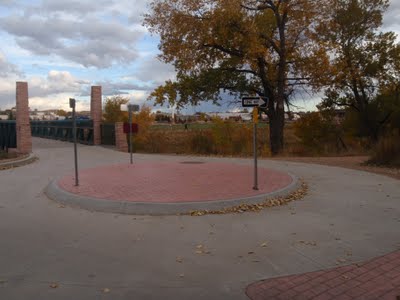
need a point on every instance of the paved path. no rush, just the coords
(53, 252)
(378, 278)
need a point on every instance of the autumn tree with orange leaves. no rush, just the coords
(264, 47)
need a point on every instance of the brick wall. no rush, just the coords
(96, 113)
(24, 138)
(120, 137)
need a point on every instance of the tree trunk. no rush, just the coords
(276, 125)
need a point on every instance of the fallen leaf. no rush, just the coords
(54, 285)
(312, 243)
(106, 290)
(199, 246)
(265, 244)
(181, 275)
(198, 252)
(255, 261)
(179, 259)
(211, 233)
(250, 252)
(341, 260)
(277, 201)
(61, 206)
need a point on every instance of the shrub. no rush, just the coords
(318, 133)
(387, 151)
(202, 142)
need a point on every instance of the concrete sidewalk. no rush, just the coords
(50, 251)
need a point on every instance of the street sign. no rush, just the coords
(134, 128)
(255, 101)
(133, 107)
(71, 103)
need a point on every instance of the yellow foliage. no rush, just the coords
(144, 118)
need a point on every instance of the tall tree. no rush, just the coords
(363, 59)
(263, 47)
(112, 109)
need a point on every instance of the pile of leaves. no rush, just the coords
(269, 202)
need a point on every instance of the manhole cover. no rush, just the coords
(192, 162)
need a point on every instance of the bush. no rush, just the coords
(319, 134)
(387, 151)
(202, 142)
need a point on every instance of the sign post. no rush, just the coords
(255, 122)
(256, 102)
(131, 109)
(72, 105)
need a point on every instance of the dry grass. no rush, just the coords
(235, 139)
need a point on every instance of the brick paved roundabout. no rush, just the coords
(346, 229)
(159, 188)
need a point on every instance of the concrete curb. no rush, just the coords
(18, 162)
(54, 192)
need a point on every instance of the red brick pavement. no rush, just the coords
(164, 182)
(378, 278)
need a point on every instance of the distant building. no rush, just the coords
(46, 115)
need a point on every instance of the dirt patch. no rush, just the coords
(350, 162)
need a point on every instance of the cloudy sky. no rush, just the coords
(61, 48)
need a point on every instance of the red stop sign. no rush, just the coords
(134, 127)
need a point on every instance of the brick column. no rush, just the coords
(120, 137)
(24, 137)
(96, 113)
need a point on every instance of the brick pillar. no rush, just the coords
(120, 137)
(96, 113)
(24, 137)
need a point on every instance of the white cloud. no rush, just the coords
(392, 16)
(7, 94)
(7, 68)
(92, 40)
(155, 71)
(56, 82)
(44, 92)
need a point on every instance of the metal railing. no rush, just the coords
(63, 130)
(8, 135)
